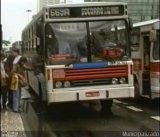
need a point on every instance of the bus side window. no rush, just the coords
(156, 47)
(146, 52)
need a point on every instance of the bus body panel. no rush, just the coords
(92, 92)
(146, 30)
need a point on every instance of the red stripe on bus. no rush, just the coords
(85, 74)
(155, 66)
(86, 77)
(93, 72)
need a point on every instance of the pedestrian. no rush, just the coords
(17, 75)
(38, 66)
(3, 83)
(8, 65)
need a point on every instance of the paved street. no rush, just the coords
(128, 116)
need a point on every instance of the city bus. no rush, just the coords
(82, 60)
(145, 54)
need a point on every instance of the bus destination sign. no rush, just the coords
(92, 11)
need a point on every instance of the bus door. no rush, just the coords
(146, 65)
(155, 66)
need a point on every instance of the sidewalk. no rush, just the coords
(11, 124)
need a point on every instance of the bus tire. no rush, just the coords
(136, 88)
(106, 107)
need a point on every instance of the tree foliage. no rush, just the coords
(6, 42)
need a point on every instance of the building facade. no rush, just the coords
(43, 3)
(139, 10)
(17, 44)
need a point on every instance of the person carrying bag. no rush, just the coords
(17, 80)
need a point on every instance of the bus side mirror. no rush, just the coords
(130, 23)
(152, 35)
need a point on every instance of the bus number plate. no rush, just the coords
(92, 94)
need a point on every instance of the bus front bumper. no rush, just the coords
(155, 92)
(90, 93)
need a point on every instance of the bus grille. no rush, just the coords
(96, 76)
(91, 82)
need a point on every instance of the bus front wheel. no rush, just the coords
(106, 107)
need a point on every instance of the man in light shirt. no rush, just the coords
(3, 83)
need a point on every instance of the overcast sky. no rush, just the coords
(14, 17)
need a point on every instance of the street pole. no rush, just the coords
(28, 11)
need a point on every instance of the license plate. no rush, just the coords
(92, 94)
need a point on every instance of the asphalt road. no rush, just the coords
(129, 118)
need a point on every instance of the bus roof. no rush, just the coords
(157, 25)
(144, 23)
(86, 4)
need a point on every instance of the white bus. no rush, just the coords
(145, 54)
(82, 60)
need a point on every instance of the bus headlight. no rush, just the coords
(58, 84)
(67, 84)
(114, 80)
(122, 80)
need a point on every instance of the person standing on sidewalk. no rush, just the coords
(14, 87)
(8, 65)
(4, 90)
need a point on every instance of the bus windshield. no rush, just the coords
(68, 42)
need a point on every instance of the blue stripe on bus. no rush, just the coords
(90, 65)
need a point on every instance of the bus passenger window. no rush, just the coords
(156, 47)
(146, 52)
(135, 35)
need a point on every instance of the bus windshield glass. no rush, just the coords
(72, 42)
